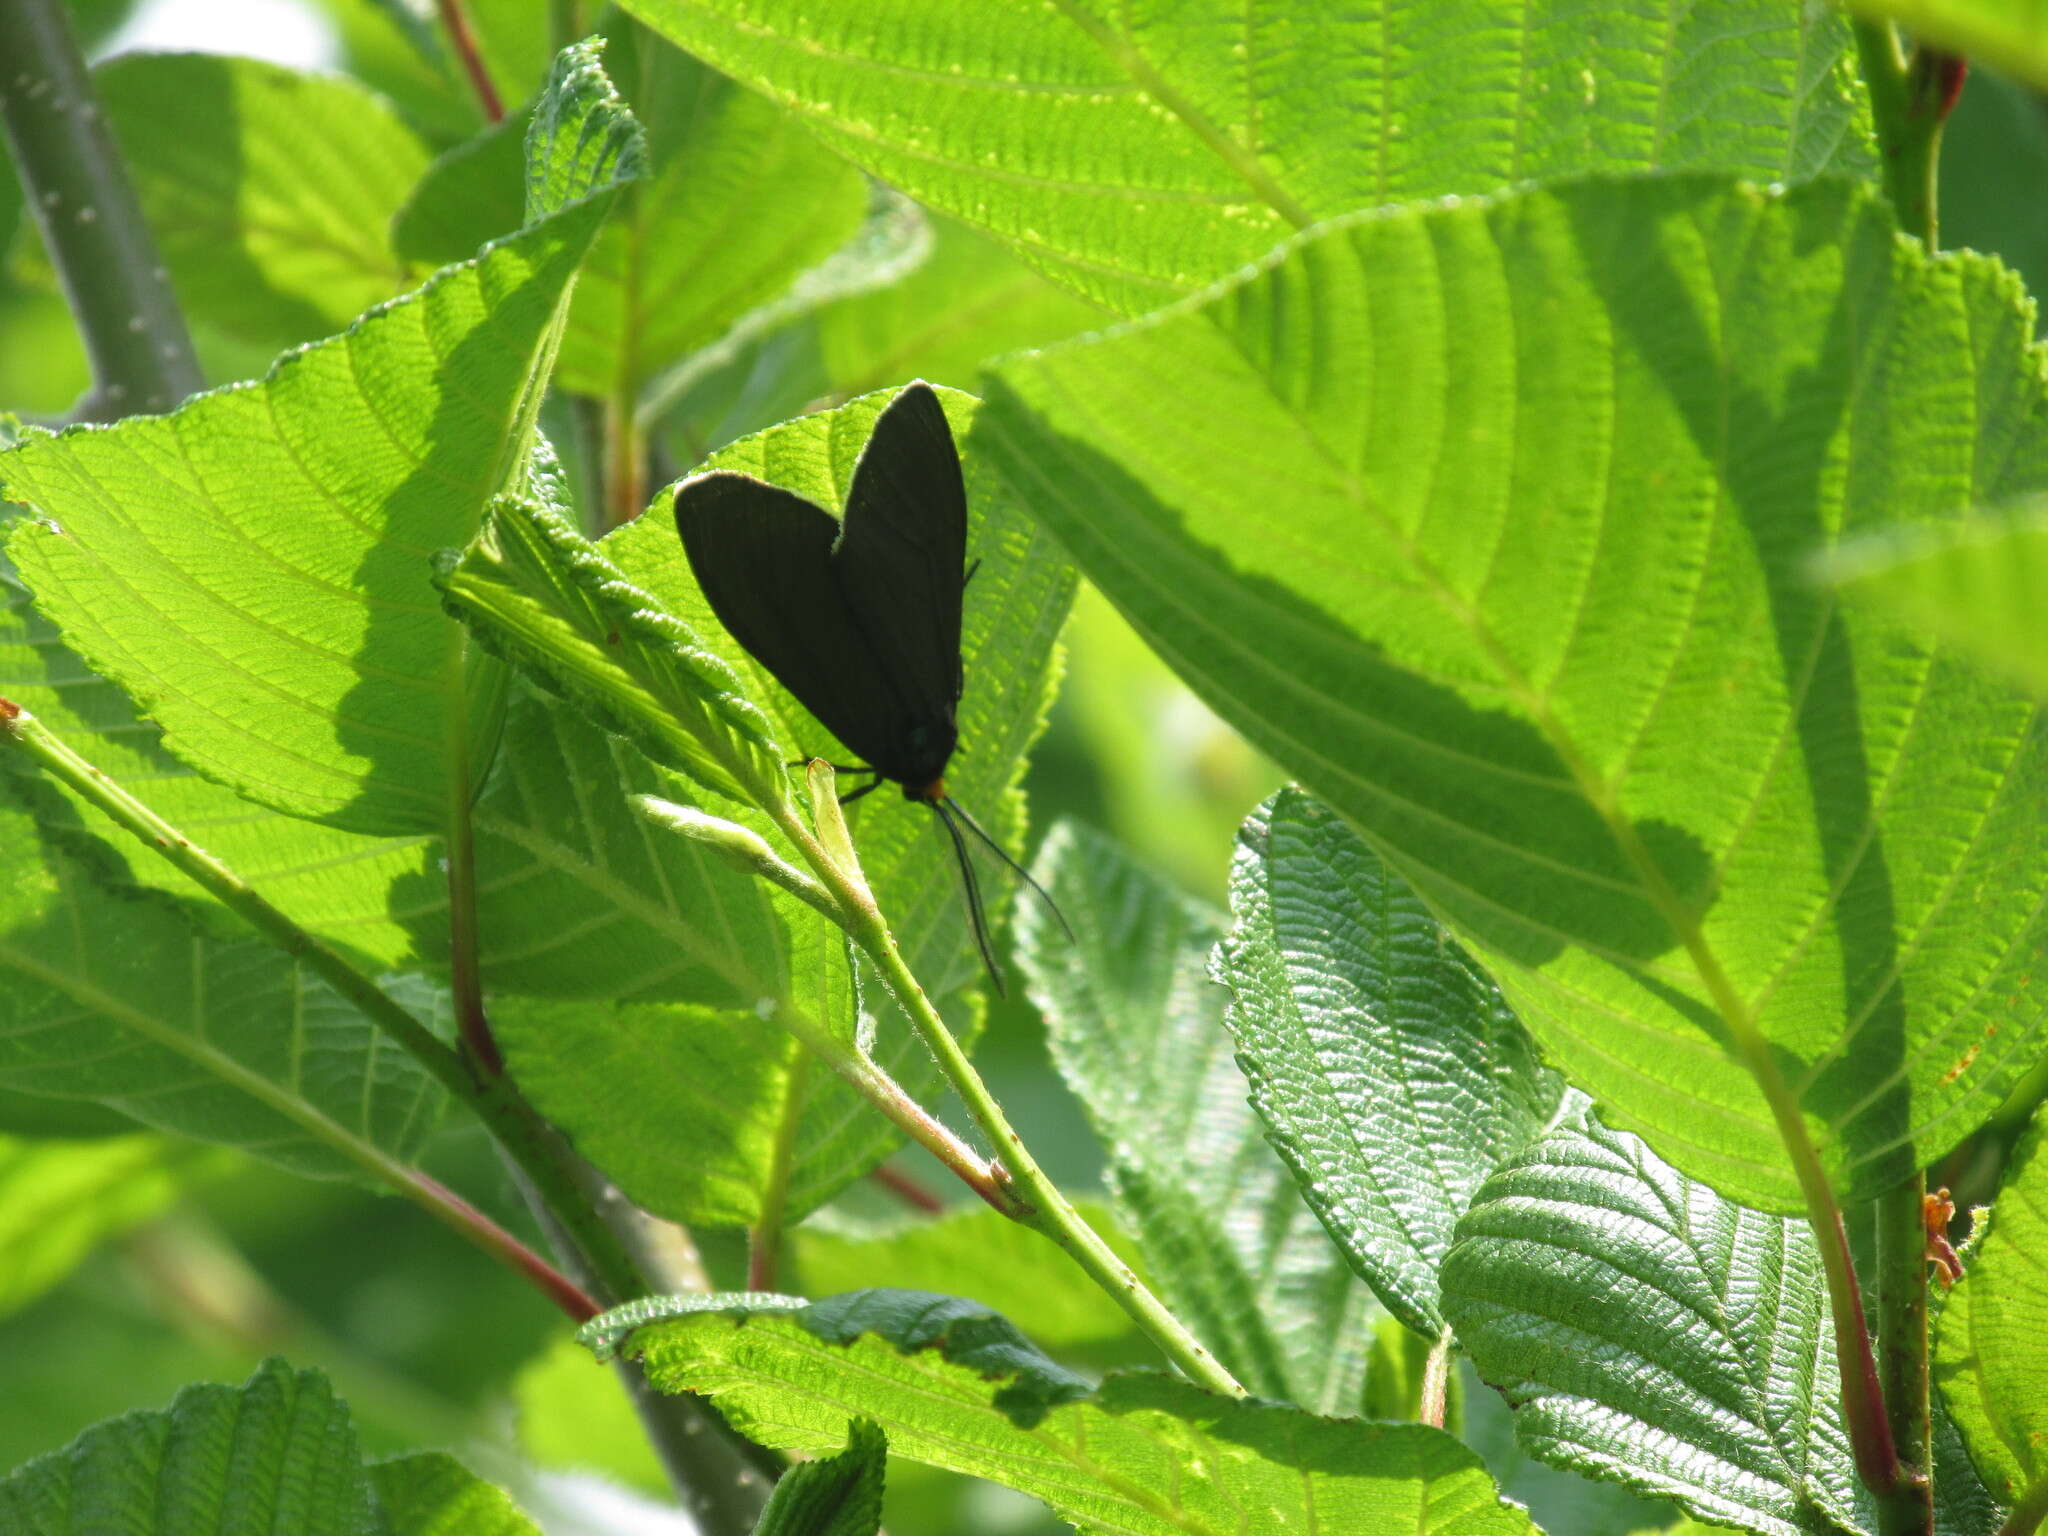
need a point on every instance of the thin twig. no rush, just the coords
(463, 40)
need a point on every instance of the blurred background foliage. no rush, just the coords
(208, 1262)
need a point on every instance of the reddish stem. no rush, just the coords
(464, 42)
(908, 1190)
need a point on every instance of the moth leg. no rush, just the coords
(970, 573)
(867, 788)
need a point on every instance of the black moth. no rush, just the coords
(860, 618)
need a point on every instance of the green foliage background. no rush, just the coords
(205, 1264)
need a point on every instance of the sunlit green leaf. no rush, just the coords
(276, 1454)
(1494, 525)
(979, 1253)
(1991, 1350)
(1137, 154)
(269, 190)
(955, 1385)
(430, 1493)
(1982, 584)
(253, 567)
(123, 1000)
(833, 1495)
(333, 882)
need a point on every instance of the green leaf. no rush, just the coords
(1649, 1332)
(471, 193)
(267, 544)
(123, 1000)
(268, 190)
(1136, 1029)
(1136, 156)
(534, 590)
(578, 897)
(970, 300)
(1991, 1348)
(678, 1104)
(1982, 585)
(976, 1252)
(59, 1200)
(333, 883)
(956, 1386)
(583, 141)
(1391, 1075)
(2002, 34)
(432, 1494)
(275, 1454)
(835, 1495)
(1516, 579)
(742, 200)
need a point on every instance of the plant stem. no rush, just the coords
(1015, 1184)
(77, 188)
(2029, 1512)
(465, 966)
(908, 1190)
(1899, 1299)
(1910, 98)
(719, 1476)
(529, 1141)
(625, 463)
(1436, 1383)
(463, 41)
(1043, 1207)
(764, 1240)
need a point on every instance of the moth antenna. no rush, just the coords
(976, 917)
(1015, 868)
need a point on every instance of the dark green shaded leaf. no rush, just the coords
(1389, 1071)
(1647, 1331)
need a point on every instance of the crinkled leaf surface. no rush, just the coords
(834, 1495)
(1136, 1029)
(1493, 524)
(332, 882)
(1135, 154)
(956, 1386)
(253, 567)
(1982, 584)
(1991, 1349)
(275, 1454)
(123, 999)
(269, 190)
(59, 1200)
(1648, 1331)
(1390, 1074)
